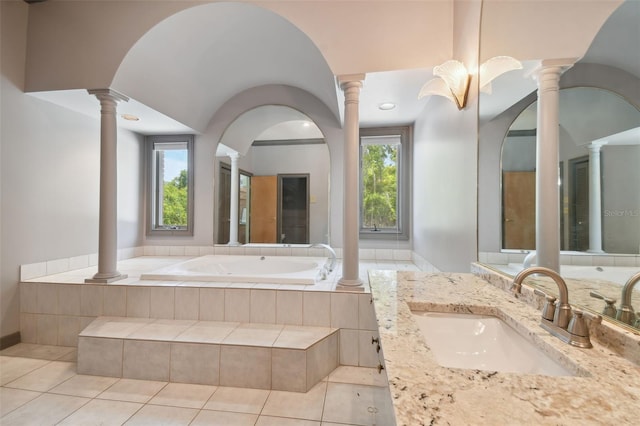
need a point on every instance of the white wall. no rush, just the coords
(445, 164)
(50, 175)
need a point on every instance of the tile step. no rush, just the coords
(259, 356)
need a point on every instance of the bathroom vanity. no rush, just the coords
(601, 387)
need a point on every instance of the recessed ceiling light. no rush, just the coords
(130, 117)
(386, 106)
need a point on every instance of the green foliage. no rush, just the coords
(174, 203)
(380, 185)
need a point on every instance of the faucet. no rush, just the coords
(610, 304)
(557, 318)
(562, 313)
(625, 312)
(331, 262)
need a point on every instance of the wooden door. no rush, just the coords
(519, 210)
(264, 209)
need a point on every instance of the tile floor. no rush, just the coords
(39, 386)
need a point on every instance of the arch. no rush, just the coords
(192, 62)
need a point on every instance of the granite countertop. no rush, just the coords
(604, 390)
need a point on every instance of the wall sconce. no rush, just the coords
(495, 67)
(452, 78)
(451, 81)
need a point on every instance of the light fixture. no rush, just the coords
(451, 81)
(452, 78)
(386, 106)
(130, 117)
(495, 67)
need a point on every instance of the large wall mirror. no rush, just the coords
(284, 178)
(599, 152)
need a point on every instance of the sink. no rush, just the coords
(483, 342)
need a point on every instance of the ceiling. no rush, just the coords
(399, 87)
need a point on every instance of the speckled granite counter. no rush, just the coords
(605, 390)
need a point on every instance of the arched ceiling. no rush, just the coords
(188, 65)
(252, 124)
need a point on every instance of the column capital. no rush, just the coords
(346, 81)
(596, 145)
(108, 94)
(550, 70)
(233, 155)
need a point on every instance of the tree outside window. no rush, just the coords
(385, 183)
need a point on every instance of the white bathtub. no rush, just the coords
(245, 269)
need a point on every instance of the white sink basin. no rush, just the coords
(483, 343)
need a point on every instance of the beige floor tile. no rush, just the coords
(87, 386)
(207, 332)
(102, 412)
(114, 327)
(298, 405)
(32, 350)
(155, 415)
(12, 368)
(45, 377)
(161, 330)
(71, 356)
(132, 390)
(183, 395)
(359, 376)
(47, 409)
(300, 337)
(283, 421)
(358, 405)
(224, 418)
(10, 399)
(254, 335)
(239, 400)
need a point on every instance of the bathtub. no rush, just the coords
(244, 269)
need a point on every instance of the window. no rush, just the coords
(384, 183)
(170, 189)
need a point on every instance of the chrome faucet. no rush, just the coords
(625, 312)
(557, 318)
(331, 262)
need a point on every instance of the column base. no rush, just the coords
(350, 285)
(597, 251)
(236, 244)
(102, 279)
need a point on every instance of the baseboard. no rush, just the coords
(9, 340)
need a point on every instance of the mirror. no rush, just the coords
(599, 121)
(284, 169)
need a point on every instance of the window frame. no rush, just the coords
(152, 190)
(403, 201)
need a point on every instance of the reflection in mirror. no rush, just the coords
(599, 154)
(284, 161)
(599, 151)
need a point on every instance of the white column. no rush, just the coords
(595, 198)
(235, 195)
(108, 227)
(547, 164)
(351, 85)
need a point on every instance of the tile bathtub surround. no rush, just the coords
(348, 396)
(606, 390)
